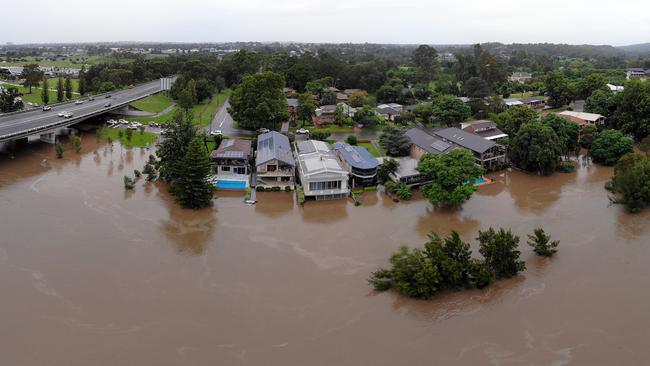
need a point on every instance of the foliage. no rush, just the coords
(106, 86)
(129, 183)
(68, 88)
(513, 118)
(137, 174)
(425, 59)
(536, 148)
(632, 181)
(58, 149)
(387, 167)
(451, 110)
(81, 88)
(601, 102)
(328, 98)
(450, 174)
(319, 135)
(352, 139)
(589, 134)
(424, 111)
(542, 244)
(395, 142)
(76, 143)
(644, 145)
(358, 99)
(609, 146)
(32, 76)
(45, 92)
(499, 248)
(60, 90)
(591, 83)
(306, 106)
(633, 109)
(177, 137)
(366, 116)
(567, 131)
(259, 101)
(558, 89)
(191, 187)
(566, 167)
(9, 101)
(400, 189)
(476, 87)
(129, 134)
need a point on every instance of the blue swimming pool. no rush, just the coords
(231, 184)
(479, 180)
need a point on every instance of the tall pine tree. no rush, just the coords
(68, 88)
(45, 93)
(191, 188)
(82, 81)
(59, 91)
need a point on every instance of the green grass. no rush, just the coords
(203, 113)
(35, 96)
(74, 61)
(138, 140)
(155, 103)
(371, 148)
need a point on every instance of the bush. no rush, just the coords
(319, 135)
(566, 167)
(351, 139)
(58, 149)
(400, 189)
(287, 188)
(275, 189)
(137, 173)
(128, 183)
(260, 189)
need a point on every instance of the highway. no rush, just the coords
(23, 124)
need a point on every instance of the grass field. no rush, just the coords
(155, 103)
(74, 61)
(371, 148)
(203, 113)
(138, 140)
(35, 96)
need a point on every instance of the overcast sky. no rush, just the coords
(620, 22)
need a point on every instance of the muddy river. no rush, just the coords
(93, 275)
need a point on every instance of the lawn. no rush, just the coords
(203, 113)
(73, 62)
(138, 140)
(35, 96)
(155, 103)
(371, 148)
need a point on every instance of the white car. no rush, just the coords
(302, 131)
(79, 102)
(264, 130)
(216, 133)
(68, 115)
(46, 108)
(62, 114)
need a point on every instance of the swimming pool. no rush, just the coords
(479, 180)
(231, 184)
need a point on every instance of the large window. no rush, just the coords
(320, 186)
(239, 170)
(225, 168)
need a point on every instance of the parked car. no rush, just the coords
(79, 102)
(216, 133)
(46, 108)
(91, 99)
(302, 131)
(107, 105)
(263, 130)
(107, 96)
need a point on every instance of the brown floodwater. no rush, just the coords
(93, 275)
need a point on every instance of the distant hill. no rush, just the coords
(640, 48)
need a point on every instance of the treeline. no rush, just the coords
(446, 263)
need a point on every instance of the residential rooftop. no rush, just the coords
(273, 146)
(357, 156)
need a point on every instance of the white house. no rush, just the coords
(320, 171)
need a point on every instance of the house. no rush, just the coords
(331, 89)
(407, 172)
(512, 102)
(389, 111)
(324, 114)
(583, 118)
(289, 91)
(484, 128)
(341, 97)
(534, 102)
(320, 171)
(615, 88)
(423, 142)
(347, 110)
(637, 74)
(520, 77)
(231, 165)
(349, 92)
(292, 107)
(358, 161)
(274, 163)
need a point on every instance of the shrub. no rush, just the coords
(58, 149)
(400, 189)
(260, 189)
(128, 183)
(566, 167)
(275, 189)
(137, 173)
(287, 188)
(351, 139)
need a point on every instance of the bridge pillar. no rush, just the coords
(49, 138)
(21, 142)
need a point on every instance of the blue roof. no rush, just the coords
(273, 145)
(357, 156)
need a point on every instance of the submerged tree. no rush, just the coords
(542, 244)
(452, 176)
(58, 149)
(191, 187)
(499, 248)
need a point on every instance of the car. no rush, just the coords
(131, 86)
(216, 133)
(132, 127)
(107, 105)
(36, 105)
(302, 131)
(153, 124)
(91, 99)
(62, 114)
(263, 130)
(107, 96)
(46, 108)
(68, 115)
(79, 102)
(30, 104)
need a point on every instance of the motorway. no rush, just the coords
(34, 121)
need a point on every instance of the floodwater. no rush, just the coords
(93, 275)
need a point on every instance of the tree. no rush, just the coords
(81, 88)
(259, 101)
(389, 93)
(351, 139)
(476, 88)
(425, 59)
(366, 116)
(632, 181)
(358, 99)
(387, 167)
(32, 76)
(589, 134)
(58, 149)
(567, 131)
(451, 110)
(633, 109)
(129, 134)
(177, 137)
(106, 86)
(609, 146)
(558, 89)
(306, 106)
(602, 102)
(644, 145)
(319, 135)
(45, 93)
(328, 97)
(513, 118)
(499, 248)
(536, 148)
(395, 141)
(76, 143)
(400, 189)
(424, 111)
(68, 88)
(299, 75)
(542, 244)
(129, 183)
(60, 92)
(451, 177)
(590, 83)
(191, 188)
(10, 100)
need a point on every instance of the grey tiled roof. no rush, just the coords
(465, 139)
(357, 156)
(273, 146)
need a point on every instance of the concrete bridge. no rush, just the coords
(20, 125)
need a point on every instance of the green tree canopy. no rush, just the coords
(306, 106)
(542, 244)
(567, 131)
(632, 181)
(259, 101)
(191, 188)
(425, 59)
(536, 148)
(499, 248)
(450, 110)
(177, 137)
(609, 146)
(452, 177)
(602, 102)
(513, 118)
(395, 141)
(558, 89)
(633, 109)
(366, 116)
(32, 75)
(9, 101)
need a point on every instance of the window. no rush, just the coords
(320, 186)
(225, 168)
(240, 170)
(271, 168)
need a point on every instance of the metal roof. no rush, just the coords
(232, 148)
(273, 146)
(357, 156)
(427, 142)
(465, 139)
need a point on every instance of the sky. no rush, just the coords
(617, 23)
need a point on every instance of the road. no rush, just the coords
(35, 121)
(223, 122)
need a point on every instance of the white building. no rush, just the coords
(320, 171)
